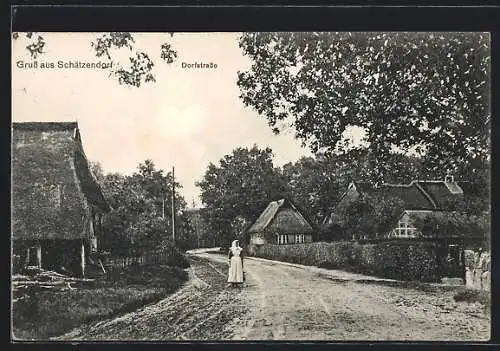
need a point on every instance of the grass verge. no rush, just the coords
(471, 296)
(47, 313)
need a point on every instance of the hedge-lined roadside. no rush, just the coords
(418, 261)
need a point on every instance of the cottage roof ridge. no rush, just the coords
(81, 152)
(279, 204)
(45, 126)
(396, 185)
(437, 210)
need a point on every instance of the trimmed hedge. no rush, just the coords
(410, 261)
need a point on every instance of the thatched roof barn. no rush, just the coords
(54, 194)
(280, 222)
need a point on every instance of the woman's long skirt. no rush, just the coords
(235, 270)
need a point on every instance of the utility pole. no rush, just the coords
(196, 223)
(173, 204)
(163, 207)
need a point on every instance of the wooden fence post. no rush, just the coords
(82, 259)
(39, 255)
(27, 257)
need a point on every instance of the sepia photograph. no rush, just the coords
(250, 186)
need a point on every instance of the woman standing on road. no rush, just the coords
(235, 277)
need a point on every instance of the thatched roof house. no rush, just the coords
(418, 195)
(281, 223)
(55, 196)
(412, 196)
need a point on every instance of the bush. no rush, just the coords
(333, 232)
(411, 261)
(174, 256)
(402, 260)
(471, 296)
(177, 259)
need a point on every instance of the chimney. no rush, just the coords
(453, 187)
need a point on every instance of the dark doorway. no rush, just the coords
(32, 261)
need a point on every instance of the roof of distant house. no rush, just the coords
(417, 195)
(364, 186)
(412, 196)
(441, 193)
(299, 224)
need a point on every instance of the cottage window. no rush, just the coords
(93, 244)
(58, 195)
(299, 238)
(404, 230)
(282, 239)
(453, 253)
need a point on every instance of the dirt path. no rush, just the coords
(203, 309)
(288, 303)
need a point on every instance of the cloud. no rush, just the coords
(181, 122)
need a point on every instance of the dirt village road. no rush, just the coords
(282, 302)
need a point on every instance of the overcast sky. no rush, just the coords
(188, 118)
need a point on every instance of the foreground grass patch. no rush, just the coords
(471, 296)
(44, 314)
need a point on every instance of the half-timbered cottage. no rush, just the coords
(57, 204)
(411, 222)
(280, 223)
